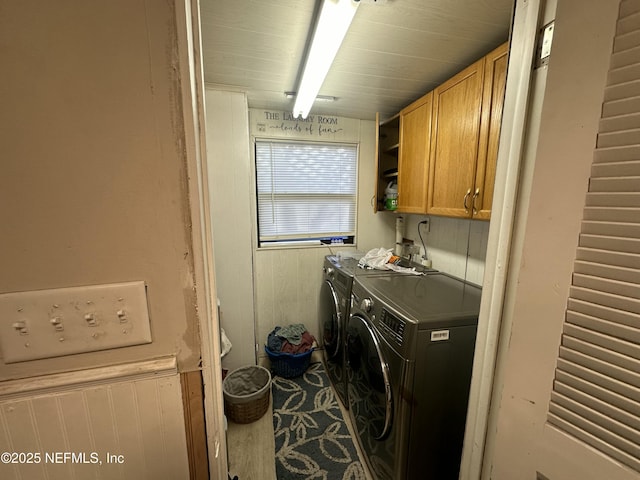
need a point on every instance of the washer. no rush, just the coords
(409, 353)
(333, 313)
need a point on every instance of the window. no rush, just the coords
(305, 191)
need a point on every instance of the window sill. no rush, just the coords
(306, 245)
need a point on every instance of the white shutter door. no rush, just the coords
(592, 415)
(596, 390)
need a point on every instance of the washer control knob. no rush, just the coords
(329, 272)
(366, 304)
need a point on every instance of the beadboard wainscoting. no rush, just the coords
(288, 283)
(117, 422)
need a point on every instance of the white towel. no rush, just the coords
(225, 343)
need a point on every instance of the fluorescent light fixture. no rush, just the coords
(319, 98)
(333, 23)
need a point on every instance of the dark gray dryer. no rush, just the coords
(409, 350)
(333, 313)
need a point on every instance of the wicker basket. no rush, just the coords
(289, 365)
(246, 393)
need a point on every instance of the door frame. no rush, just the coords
(190, 59)
(514, 135)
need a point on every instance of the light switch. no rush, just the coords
(65, 321)
(20, 327)
(57, 324)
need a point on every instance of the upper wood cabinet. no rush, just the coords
(413, 158)
(387, 149)
(443, 147)
(495, 78)
(467, 113)
(457, 108)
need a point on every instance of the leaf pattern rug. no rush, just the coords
(312, 439)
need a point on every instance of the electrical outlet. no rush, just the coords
(64, 321)
(426, 225)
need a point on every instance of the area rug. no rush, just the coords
(311, 437)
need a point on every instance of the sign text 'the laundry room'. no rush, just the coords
(312, 126)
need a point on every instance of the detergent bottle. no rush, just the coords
(391, 196)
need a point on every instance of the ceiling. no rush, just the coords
(394, 52)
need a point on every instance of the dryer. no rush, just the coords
(409, 354)
(333, 313)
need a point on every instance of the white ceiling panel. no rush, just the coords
(394, 52)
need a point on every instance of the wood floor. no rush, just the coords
(252, 448)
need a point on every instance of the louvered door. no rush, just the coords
(596, 391)
(569, 398)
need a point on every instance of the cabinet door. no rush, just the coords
(457, 106)
(387, 146)
(413, 160)
(495, 76)
(377, 195)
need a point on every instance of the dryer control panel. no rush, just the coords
(392, 325)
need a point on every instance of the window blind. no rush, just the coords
(596, 391)
(305, 190)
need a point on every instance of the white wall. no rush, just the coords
(230, 171)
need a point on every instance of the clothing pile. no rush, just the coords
(292, 339)
(384, 259)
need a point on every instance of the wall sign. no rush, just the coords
(273, 123)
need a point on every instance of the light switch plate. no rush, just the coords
(65, 321)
